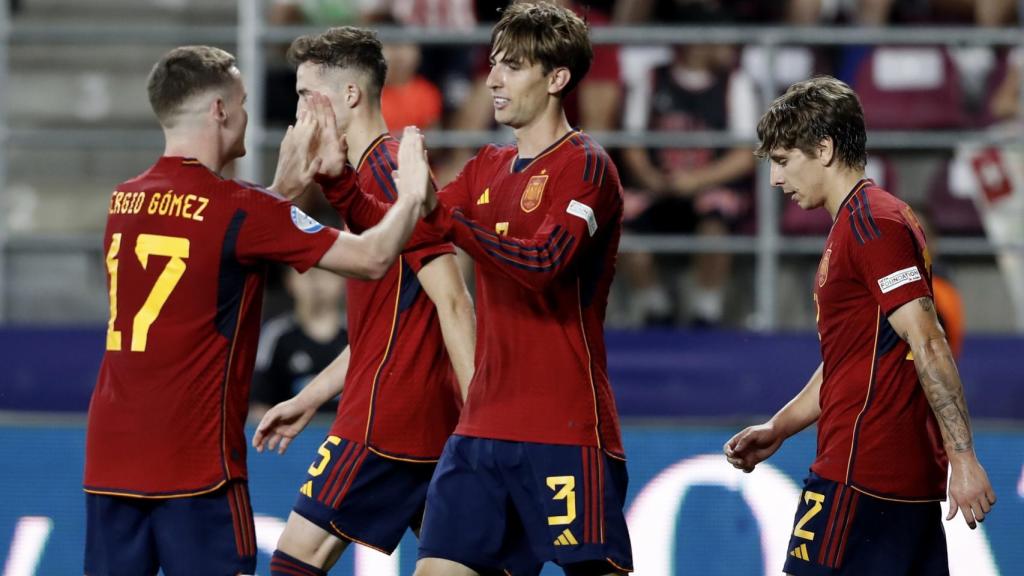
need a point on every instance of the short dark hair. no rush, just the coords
(184, 72)
(546, 34)
(344, 47)
(811, 111)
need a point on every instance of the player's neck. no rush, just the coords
(839, 187)
(188, 144)
(548, 127)
(362, 131)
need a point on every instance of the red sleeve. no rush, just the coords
(274, 229)
(587, 204)
(890, 262)
(361, 211)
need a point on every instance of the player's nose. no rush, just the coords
(776, 175)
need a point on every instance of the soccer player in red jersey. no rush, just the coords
(368, 481)
(186, 255)
(535, 470)
(887, 396)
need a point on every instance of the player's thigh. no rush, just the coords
(118, 539)
(442, 567)
(571, 499)
(360, 496)
(308, 542)
(207, 535)
(466, 519)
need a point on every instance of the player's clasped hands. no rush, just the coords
(414, 180)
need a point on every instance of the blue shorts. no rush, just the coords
(207, 535)
(363, 497)
(841, 531)
(495, 506)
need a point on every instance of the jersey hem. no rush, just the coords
(156, 495)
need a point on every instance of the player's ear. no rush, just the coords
(218, 110)
(558, 80)
(826, 151)
(353, 95)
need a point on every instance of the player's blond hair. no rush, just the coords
(811, 111)
(185, 72)
(546, 34)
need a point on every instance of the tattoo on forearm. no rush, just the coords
(926, 304)
(942, 387)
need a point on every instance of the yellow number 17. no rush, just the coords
(147, 245)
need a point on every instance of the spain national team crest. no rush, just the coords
(533, 193)
(823, 268)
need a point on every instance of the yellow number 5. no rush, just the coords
(173, 247)
(565, 489)
(317, 468)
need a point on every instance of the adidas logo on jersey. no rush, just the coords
(800, 552)
(566, 539)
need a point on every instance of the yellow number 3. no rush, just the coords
(565, 489)
(147, 245)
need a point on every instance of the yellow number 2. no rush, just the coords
(565, 489)
(809, 497)
(174, 248)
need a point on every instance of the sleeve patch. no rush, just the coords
(899, 278)
(305, 223)
(581, 210)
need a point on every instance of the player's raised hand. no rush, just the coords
(752, 446)
(296, 160)
(281, 424)
(331, 149)
(969, 490)
(413, 179)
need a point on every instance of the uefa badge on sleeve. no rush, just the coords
(823, 268)
(303, 222)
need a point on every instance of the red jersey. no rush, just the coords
(877, 431)
(401, 398)
(186, 255)
(544, 233)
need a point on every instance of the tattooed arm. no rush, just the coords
(969, 488)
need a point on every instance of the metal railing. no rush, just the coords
(252, 36)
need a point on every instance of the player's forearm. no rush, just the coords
(643, 170)
(458, 328)
(383, 242)
(938, 375)
(327, 384)
(803, 410)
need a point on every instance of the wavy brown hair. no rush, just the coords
(811, 111)
(545, 34)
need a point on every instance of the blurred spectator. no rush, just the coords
(408, 99)
(689, 190)
(1004, 105)
(297, 345)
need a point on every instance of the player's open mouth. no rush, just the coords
(500, 102)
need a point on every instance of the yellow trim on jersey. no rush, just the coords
(369, 150)
(889, 499)
(384, 358)
(554, 146)
(216, 487)
(590, 362)
(867, 396)
(613, 455)
(400, 459)
(617, 567)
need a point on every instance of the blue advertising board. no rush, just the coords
(689, 511)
